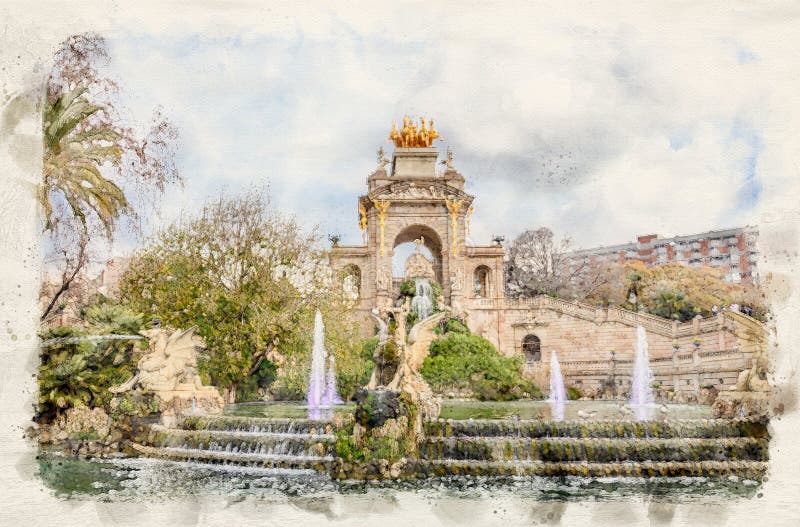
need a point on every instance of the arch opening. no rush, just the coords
(532, 348)
(403, 246)
(480, 281)
(351, 281)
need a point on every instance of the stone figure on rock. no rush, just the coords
(417, 265)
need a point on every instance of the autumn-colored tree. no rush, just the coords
(251, 280)
(676, 290)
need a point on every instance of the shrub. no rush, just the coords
(75, 374)
(451, 325)
(573, 393)
(460, 361)
(408, 287)
(456, 326)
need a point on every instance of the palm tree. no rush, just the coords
(75, 150)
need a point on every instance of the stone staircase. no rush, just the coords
(706, 447)
(299, 446)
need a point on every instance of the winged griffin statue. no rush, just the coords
(169, 370)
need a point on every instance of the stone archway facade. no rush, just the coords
(416, 201)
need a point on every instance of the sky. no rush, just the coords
(601, 128)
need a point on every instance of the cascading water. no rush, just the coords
(641, 399)
(422, 304)
(558, 394)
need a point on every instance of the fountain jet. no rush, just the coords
(641, 399)
(558, 394)
(322, 393)
(331, 395)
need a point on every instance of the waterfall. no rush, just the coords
(641, 390)
(316, 383)
(558, 394)
(422, 304)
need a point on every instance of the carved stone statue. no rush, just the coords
(751, 395)
(169, 370)
(382, 159)
(448, 161)
(456, 280)
(383, 280)
(417, 265)
(754, 379)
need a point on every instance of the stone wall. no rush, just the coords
(684, 356)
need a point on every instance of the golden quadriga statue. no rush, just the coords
(169, 370)
(413, 136)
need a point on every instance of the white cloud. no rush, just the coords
(601, 125)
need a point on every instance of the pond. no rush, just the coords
(137, 479)
(469, 409)
(146, 479)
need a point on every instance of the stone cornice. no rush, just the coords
(422, 190)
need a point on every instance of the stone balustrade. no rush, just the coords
(651, 323)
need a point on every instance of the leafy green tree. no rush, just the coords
(461, 361)
(251, 280)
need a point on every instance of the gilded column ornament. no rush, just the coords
(469, 220)
(382, 205)
(362, 216)
(454, 206)
(362, 221)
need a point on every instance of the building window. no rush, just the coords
(532, 348)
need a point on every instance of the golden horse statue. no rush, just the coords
(412, 136)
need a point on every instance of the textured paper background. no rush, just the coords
(30, 32)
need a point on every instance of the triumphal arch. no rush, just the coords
(412, 197)
(415, 197)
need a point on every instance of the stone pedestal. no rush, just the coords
(414, 163)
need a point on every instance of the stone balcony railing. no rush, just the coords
(651, 323)
(708, 361)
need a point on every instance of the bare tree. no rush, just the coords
(73, 257)
(539, 264)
